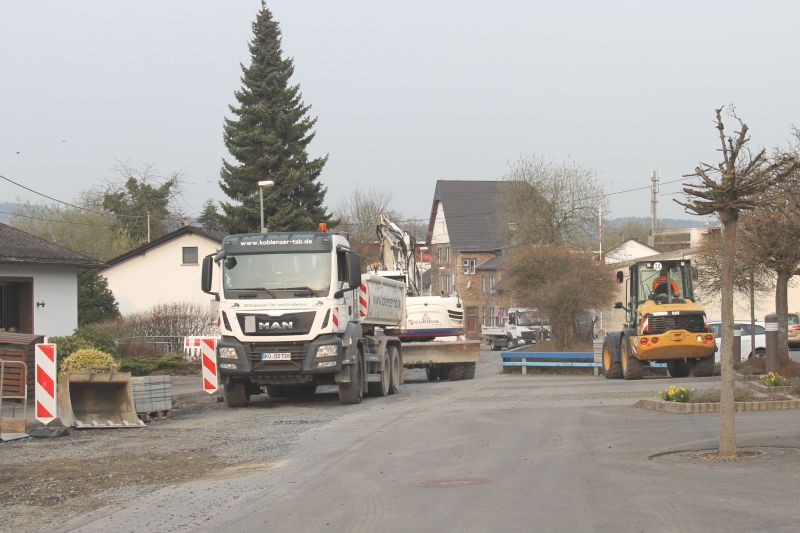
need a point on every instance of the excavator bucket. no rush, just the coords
(97, 399)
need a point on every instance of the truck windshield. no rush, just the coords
(278, 275)
(522, 319)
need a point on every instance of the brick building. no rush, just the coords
(466, 238)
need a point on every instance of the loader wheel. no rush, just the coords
(678, 368)
(381, 388)
(704, 367)
(235, 393)
(469, 370)
(432, 373)
(632, 368)
(455, 373)
(396, 376)
(353, 391)
(611, 369)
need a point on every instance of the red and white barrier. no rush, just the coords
(45, 389)
(363, 298)
(208, 358)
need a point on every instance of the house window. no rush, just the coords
(468, 266)
(487, 283)
(190, 255)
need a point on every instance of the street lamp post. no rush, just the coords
(261, 185)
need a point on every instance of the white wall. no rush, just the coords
(439, 235)
(159, 277)
(57, 287)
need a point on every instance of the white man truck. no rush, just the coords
(295, 312)
(516, 329)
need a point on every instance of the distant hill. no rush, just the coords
(6, 208)
(663, 223)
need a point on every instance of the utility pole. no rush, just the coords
(600, 230)
(654, 177)
(148, 227)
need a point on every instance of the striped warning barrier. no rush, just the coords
(208, 357)
(362, 300)
(45, 388)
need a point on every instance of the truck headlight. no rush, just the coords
(327, 350)
(227, 352)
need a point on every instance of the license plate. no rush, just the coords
(281, 356)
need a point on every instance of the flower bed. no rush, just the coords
(657, 404)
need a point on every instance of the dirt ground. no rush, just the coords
(45, 482)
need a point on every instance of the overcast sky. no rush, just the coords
(405, 92)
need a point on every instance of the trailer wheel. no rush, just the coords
(678, 368)
(432, 373)
(396, 376)
(469, 370)
(455, 373)
(353, 391)
(611, 369)
(235, 394)
(382, 387)
(704, 367)
(632, 368)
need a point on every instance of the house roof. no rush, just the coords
(472, 211)
(22, 248)
(630, 249)
(491, 264)
(183, 230)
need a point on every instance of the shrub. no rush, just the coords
(772, 379)
(752, 367)
(86, 357)
(795, 386)
(173, 364)
(676, 394)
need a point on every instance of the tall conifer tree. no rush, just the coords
(268, 137)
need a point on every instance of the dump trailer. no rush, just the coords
(295, 312)
(432, 329)
(663, 323)
(97, 398)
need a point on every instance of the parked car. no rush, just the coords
(794, 328)
(746, 339)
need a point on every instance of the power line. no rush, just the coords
(58, 221)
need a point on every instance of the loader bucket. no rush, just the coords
(97, 399)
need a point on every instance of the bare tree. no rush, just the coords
(562, 283)
(732, 186)
(770, 234)
(359, 215)
(553, 203)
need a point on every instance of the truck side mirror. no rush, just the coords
(207, 273)
(619, 305)
(620, 276)
(353, 270)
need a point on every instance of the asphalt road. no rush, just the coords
(498, 453)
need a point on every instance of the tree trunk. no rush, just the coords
(727, 407)
(782, 310)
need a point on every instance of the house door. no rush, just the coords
(16, 305)
(471, 323)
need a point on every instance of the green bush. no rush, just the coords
(86, 357)
(795, 384)
(173, 364)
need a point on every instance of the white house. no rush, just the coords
(38, 284)
(166, 270)
(628, 250)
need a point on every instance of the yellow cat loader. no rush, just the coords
(663, 323)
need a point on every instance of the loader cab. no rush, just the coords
(659, 282)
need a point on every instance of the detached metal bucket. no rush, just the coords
(97, 399)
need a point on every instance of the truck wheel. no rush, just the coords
(455, 373)
(235, 393)
(353, 391)
(611, 369)
(678, 368)
(432, 373)
(632, 368)
(704, 367)
(276, 391)
(396, 376)
(469, 370)
(381, 388)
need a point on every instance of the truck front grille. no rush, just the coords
(693, 323)
(528, 334)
